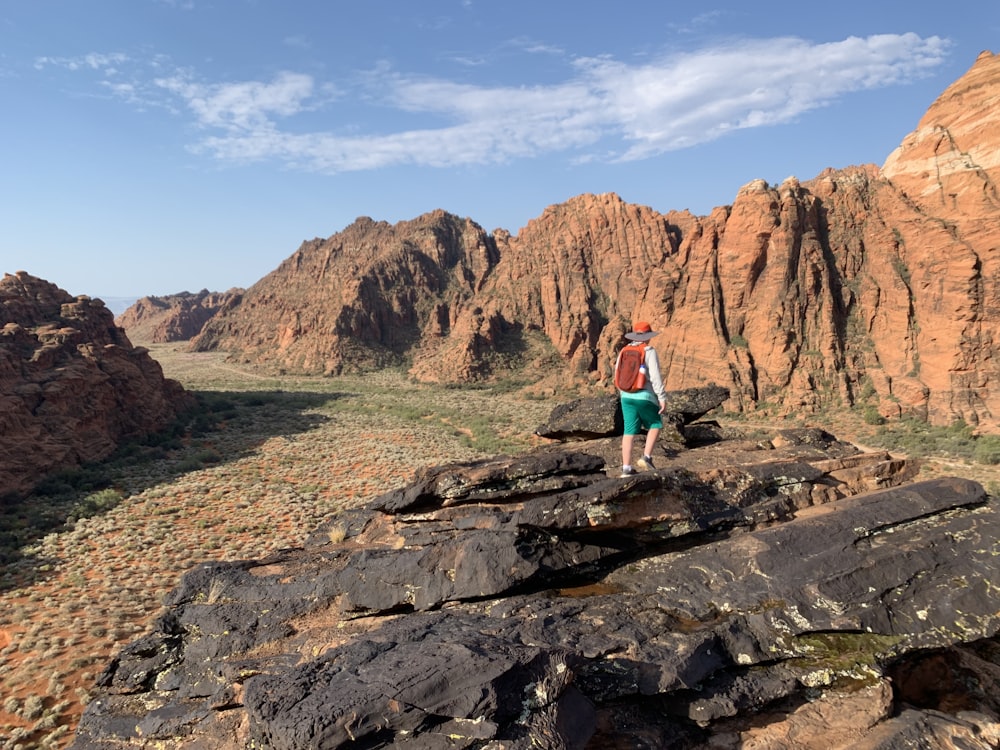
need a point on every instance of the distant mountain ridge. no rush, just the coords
(175, 317)
(118, 305)
(863, 286)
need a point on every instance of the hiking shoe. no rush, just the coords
(627, 471)
(645, 463)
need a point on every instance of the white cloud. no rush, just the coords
(607, 110)
(531, 46)
(106, 63)
(698, 97)
(244, 106)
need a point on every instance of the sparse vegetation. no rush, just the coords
(987, 449)
(336, 534)
(919, 439)
(902, 270)
(256, 467)
(844, 658)
(33, 707)
(872, 416)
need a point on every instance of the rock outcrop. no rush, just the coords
(362, 299)
(788, 591)
(601, 416)
(72, 386)
(176, 317)
(866, 286)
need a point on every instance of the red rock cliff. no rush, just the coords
(864, 285)
(71, 384)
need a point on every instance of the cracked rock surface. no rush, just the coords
(791, 592)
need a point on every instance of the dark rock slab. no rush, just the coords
(694, 403)
(583, 419)
(494, 480)
(534, 601)
(601, 416)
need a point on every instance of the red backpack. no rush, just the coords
(630, 369)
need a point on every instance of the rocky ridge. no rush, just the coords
(361, 299)
(865, 286)
(72, 386)
(780, 590)
(175, 317)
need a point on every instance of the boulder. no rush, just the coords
(601, 416)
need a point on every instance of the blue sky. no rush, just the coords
(159, 146)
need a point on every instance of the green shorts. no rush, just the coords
(639, 414)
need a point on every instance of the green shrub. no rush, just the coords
(188, 464)
(919, 439)
(33, 708)
(207, 456)
(987, 450)
(96, 502)
(867, 390)
(871, 415)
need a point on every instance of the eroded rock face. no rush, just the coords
(72, 386)
(361, 299)
(177, 317)
(749, 591)
(862, 286)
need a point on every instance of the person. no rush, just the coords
(642, 409)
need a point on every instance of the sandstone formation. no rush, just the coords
(72, 386)
(865, 286)
(758, 591)
(362, 299)
(176, 317)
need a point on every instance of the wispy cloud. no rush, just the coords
(534, 47)
(699, 97)
(182, 4)
(298, 41)
(106, 63)
(607, 109)
(245, 106)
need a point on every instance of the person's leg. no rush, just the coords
(654, 432)
(627, 441)
(631, 424)
(651, 421)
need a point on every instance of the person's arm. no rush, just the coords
(655, 379)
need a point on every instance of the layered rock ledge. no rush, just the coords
(786, 590)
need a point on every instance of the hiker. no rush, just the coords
(643, 397)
